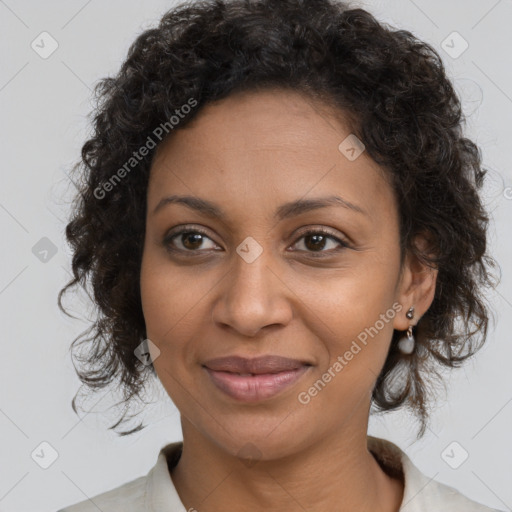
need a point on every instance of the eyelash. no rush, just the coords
(167, 241)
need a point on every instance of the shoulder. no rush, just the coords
(150, 492)
(130, 495)
(421, 493)
(443, 498)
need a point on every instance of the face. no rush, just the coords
(249, 277)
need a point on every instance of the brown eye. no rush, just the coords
(190, 240)
(316, 241)
(321, 241)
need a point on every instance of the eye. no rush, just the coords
(316, 240)
(189, 239)
(193, 239)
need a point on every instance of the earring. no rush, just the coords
(406, 344)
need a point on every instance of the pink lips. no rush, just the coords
(252, 380)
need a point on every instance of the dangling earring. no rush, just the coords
(406, 344)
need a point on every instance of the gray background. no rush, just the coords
(44, 104)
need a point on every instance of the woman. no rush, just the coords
(280, 219)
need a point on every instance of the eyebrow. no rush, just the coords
(285, 211)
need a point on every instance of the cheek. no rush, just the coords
(175, 307)
(169, 295)
(355, 332)
(347, 302)
(352, 314)
(166, 300)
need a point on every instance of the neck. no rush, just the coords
(335, 474)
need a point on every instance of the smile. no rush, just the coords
(249, 387)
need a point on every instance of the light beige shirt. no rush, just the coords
(155, 492)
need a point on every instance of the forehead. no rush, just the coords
(271, 146)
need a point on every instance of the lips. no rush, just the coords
(256, 366)
(252, 380)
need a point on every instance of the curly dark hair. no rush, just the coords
(393, 90)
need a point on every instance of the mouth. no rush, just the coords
(254, 380)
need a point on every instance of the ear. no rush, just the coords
(417, 286)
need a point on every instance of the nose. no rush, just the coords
(252, 297)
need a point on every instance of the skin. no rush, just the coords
(249, 154)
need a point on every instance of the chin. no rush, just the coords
(262, 440)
